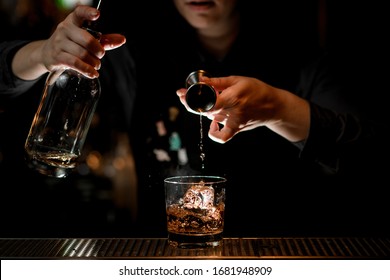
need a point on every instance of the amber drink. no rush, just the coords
(195, 207)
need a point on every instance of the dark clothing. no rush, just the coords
(274, 187)
(82, 204)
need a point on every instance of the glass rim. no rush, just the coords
(183, 179)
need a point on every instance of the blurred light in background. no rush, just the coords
(70, 4)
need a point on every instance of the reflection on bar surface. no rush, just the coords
(233, 248)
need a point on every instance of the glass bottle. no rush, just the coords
(61, 123)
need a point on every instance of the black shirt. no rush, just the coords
(332, 184)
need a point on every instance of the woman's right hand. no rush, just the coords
(70, 46)
(245, 103)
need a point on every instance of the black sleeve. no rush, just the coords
(10, 85)
(349, 128)
(342, 142)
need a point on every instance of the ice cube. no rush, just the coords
(199, 197)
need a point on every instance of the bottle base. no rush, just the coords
(49, 170)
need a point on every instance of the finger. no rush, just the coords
(220, 135)
(78, 17)
(112, 41)
(88, 41)
(67, 30)
(221, 83)
(181, 93)
(82, 13)
(84, 53)
(73, 62)
(220, 118)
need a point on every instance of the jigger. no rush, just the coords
(200, 97)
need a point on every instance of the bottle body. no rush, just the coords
(61, 123)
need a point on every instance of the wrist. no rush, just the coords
(27, 63)
(292, 117)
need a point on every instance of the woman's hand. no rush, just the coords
(70, 46)
(245, 103)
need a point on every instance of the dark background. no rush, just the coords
(95, 204)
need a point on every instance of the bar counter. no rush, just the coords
(232, 248)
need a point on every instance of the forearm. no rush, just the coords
(10, 85)
(27, 62)
(292, 120)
